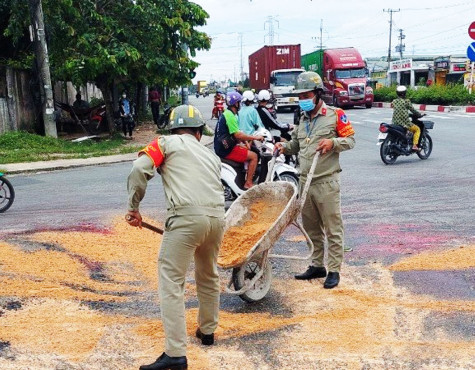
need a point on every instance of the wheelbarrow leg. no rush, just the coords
(310, 245)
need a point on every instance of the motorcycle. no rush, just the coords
(97, 117)
(164, 118)
(233, 174)
(197, 94)
(218, 108)
(395, 140)
(7, 194)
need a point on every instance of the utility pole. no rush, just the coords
(390, 11)
(319, 67)
(240, 42)
(270, 21)
(184, 88)
(42, 62)
(401, 47)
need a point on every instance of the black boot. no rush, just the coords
(312, 273)
(332, 280)
(206, 339)
(165, 362)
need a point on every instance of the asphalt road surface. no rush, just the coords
(392, 215)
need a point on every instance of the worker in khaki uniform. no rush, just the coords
(328, 131)
(194, 227)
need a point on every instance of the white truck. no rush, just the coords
(282, 86)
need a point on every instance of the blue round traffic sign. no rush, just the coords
(471, 52)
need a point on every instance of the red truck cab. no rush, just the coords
(345, 78)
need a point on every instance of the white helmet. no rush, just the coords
(401, 88)
(247, 95)
(263, 95)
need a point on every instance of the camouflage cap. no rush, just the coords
(308, 81)
(185, 116)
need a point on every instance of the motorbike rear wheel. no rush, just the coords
(228, 193)
(289, 177)
(387, 156)
(426, 147)
(7, 194)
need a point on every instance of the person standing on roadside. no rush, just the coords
(155, 99)
(125, 111)
(191, 175)
(328, 131)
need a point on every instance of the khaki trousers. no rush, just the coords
(186, 237)
(321, 216)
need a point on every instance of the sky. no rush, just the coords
(431, 27)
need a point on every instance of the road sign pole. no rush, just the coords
(471, 79)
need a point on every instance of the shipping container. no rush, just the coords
(269, 58)
(313, 61)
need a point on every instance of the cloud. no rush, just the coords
(431, 27)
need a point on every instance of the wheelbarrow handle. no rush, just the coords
(306, 187)
(146, 225)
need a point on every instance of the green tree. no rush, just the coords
(109, 41)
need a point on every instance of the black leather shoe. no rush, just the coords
(206, 339)
(312, 273)
(165, 362)
(332, 280)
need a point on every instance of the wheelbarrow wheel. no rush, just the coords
(244, 274)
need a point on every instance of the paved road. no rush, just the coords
(379, 316)
(436, 193)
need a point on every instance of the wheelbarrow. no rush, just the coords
(252, 276)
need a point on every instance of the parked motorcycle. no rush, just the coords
(197, 94)
(165, 117)
(233, 174)
(98, 116)
(395, 140)
(7, 194)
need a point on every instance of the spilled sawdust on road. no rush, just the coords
(366, 322)
(460, 258)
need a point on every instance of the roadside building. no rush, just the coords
(450, 69)
(411, 71)
(377, 72)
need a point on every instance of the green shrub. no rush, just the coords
(19, 146)
(432, 95)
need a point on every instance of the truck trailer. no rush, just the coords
(276, 68)
(344, 75)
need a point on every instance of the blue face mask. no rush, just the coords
(306, 105)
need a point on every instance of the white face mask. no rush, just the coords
(124, 96)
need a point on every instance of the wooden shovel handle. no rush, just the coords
(146, 225)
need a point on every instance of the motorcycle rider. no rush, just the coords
(326, 130)
(269, 122)
(249, 120)
(229, 140)
(219, 96)
(401, 105)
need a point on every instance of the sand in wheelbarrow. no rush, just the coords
(238, 240)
